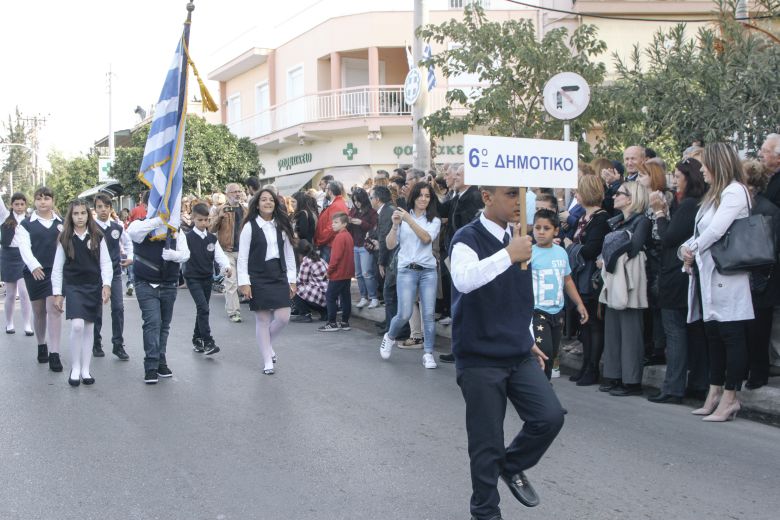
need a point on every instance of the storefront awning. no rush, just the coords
(289, 184)
(350, 175)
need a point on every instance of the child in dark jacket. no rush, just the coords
(341, 269)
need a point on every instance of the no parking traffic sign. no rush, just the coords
(512, 161)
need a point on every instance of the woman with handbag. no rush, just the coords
(362, 220)
(591, 229)
(722, 300)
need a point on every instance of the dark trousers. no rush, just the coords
(200, 289)
(305, 307)
(117, 314)
(156, 305)
(547, 332)
(486, 390)
(728, 353)
(390, 292)
(759, 335)
(339, 292)
(592, 338)
(698, 357)
(676, 329)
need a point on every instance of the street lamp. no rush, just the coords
(10, 173)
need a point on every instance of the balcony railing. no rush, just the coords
(350, 103)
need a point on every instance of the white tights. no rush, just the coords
(11, 289)
(81, 335)
(47, 317)
(268, 324)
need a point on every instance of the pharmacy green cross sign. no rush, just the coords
(350, 151)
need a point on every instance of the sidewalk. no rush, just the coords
(764, 401)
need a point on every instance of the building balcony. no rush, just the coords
(357, 106)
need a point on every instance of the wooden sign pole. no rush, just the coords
(523, 220)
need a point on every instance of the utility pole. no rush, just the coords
(111, 144)
(422, 141)
(35, 122)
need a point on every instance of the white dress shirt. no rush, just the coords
(125, 243)
(106, 269)
(18, 217)
(469, 273)
(22, 239)
(412, 249)
(272, 250)
(139, 229)
(219, 255)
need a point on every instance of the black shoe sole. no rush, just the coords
(88, 381)
(520, 498)
(74, 382)
(99, 353)
(29, 334)
(212, 351)
(10, 332)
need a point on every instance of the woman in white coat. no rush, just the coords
(723, 301)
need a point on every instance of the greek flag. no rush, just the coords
(431, 74)
(162, 166)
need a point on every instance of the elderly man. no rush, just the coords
(633, 158)
(770, 157)
(226, 224)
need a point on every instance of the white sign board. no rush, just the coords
(104, 169)
(511, 161)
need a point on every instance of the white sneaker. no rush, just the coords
(374, 304)
(556, 372)
(445, 321)
(428, 361)
(387, 347)
(362, 303)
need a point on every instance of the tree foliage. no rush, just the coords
(18, 160)
(213, 157)
(513, 66)
(69, 177)
(718, 84)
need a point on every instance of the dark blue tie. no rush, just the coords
(506, 238)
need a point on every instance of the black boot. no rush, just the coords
(210, 347)
(97, 350)
(590, 377)
(54, 362)
(119, 351)
(43, 353)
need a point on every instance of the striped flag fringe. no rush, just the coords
(162, 166)
(427, 54)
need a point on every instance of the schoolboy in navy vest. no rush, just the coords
(37, 239)
(495, 354)
(156, 284)
(199, 274)
(118, 243)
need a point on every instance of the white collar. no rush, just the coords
(82, 236)
(34, 216)
(201, 234)
(102, 224)
(19, 218)
(380, 208)
(494, 229)
(262, 222)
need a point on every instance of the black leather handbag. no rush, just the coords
(748, 244)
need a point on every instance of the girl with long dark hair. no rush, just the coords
(37, 238)
(81, 276)
(304, 216)
(362, 220)
(12, 266)
(266, 269)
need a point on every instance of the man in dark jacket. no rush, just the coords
(770, 157)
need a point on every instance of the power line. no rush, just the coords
(629, 19)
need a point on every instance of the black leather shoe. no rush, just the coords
(497, 517)
(626, 390)
(74, 382)
(43, 353)
(88, 380)
(119, 351)
(589, 378)
(55, 365)
(521, 489)
(97, 351)
(609, 385)
(29, 333)
(10, 331)
(752, 385)
(664, 398)
(655, 360)
(447, 358)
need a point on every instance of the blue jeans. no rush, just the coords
(156, 305)
(676, 329)
(409, 282)
(364, 272)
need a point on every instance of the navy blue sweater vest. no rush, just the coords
(84, 267)
(111, 235)
(258, 249)
(43, 240)
(7, 234)
(148, 264)
(201, 262)
(491, 325)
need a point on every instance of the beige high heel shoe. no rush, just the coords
(727, 413)
(710, 404)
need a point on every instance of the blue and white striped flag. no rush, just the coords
(162, 166)
(431, 73)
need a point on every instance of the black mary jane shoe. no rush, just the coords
(88, 380)
(74, 382)
(268, 371)
(522, 489)
(29, 333)
(664, 398)
(10, 331)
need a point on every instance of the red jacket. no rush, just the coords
(342, 257)
(324, 234)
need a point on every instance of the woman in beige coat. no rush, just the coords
(723, 301)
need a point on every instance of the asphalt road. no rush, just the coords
(338, 433)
